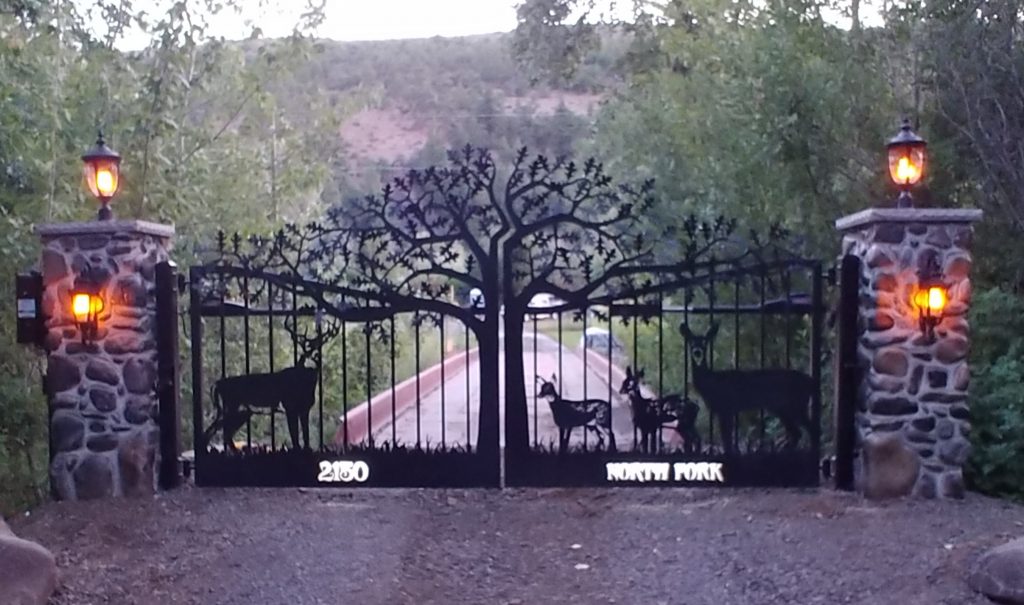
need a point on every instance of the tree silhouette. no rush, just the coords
(545, 225)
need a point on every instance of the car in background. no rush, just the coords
(598, 339)
(542, 301)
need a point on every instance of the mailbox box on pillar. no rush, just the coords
(29, 292)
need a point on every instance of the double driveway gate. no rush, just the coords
(445, 335)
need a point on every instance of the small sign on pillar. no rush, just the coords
(31, 323)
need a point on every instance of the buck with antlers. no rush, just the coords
(293, 390)
(593, 415)
(782, 393)
(650, 414)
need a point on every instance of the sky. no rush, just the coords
(357, 19)
(368, 19)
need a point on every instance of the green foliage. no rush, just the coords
(997, 394)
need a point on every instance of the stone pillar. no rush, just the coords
(104, 437)
(913, 423)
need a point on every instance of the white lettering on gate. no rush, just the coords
(640, 472)
(698, 471)
(644, 472)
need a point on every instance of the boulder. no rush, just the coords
(999, 573)
(28, 575)
(891, 466)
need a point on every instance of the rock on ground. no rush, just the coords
(999, 573)
(28, 572)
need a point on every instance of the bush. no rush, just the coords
(997, 395)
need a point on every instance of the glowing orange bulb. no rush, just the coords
(907, 172)
(936, 298)
(85, 306)
(106, 182)
(932, 299)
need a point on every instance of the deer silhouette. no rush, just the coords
(652, 413)
(782, 393)
(592, 414)
(237, 398)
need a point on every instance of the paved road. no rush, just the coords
(431, 426)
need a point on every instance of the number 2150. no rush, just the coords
(345, 471)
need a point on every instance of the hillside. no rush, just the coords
(408, 100)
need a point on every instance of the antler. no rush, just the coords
(310, 346)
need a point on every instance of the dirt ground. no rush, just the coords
(658, 546)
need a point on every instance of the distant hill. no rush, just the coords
(408, 100)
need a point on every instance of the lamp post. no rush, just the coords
(101, 167)
(907, 157)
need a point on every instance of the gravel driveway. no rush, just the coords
(370, 547)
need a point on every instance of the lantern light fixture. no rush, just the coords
(101, 168)
(931, 297)
(907, 153)
(87, 303)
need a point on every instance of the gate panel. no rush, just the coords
(717, 382)
(297, 386)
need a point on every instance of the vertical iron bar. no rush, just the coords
(610, 379)
(586, 354)
(763, 314)
(789, 317)
(344, 382)
(469, 422)
(661, 357)
(199, 449)
(560, 351)
(736, 349)
(223, 357)
(534, 386)
(444, 354)
(394, 387)
(270, 344)
(818, 308)
(320, 375)
(248, 368)
(416, 328)
(367, 328)
(295, 322)
(636, 353)
(711, 350)
(295, 344)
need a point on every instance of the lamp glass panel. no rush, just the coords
(906, 164)
(102, 176)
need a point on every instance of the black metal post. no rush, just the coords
(818, 310)
(168, 374)
(848, 371)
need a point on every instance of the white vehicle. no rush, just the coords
(543, 301)
(597, 339)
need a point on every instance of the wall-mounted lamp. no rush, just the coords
(87, 303)
(931, 297)
(907, 158)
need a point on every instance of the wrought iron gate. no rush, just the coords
(380, 346)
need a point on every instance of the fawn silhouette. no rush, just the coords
(651, 414)
(782, 393)
(592, 414)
